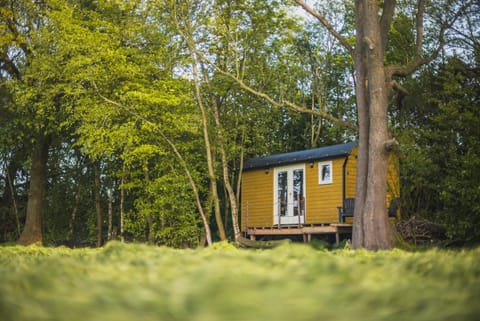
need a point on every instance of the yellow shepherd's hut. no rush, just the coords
(305, 192)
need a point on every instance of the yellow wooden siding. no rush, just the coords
(393, 180)
(257, 195)
(351, 174)
(322, 200)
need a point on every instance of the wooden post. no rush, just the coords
(299, 209)
(279, 214)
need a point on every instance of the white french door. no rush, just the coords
(289, 198)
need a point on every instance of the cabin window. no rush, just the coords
(325, 173)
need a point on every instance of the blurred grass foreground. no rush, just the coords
(292, 282)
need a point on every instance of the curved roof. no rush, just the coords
(300, 156)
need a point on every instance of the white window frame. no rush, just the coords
(321, 179)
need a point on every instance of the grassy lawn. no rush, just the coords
(292, 282)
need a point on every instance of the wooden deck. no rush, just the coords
(306, 230)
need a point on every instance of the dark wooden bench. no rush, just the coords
(349, 207)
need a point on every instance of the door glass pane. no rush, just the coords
(282, 193)
(298, 192)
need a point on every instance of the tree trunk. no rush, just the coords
(32, 232)
(110, 213)
(208, 150)
(98, 207)
(217, 208)
(122, 202)
(361, 86)
(9, 192)
(372, 228)
(226, 173)
(151, 229)
(73, 217)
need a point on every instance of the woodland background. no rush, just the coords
(132, 119)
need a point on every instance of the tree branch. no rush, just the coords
(395, 85)
(9, 66)
(397, 70)
(419, 26)
(327, 25)
(287, 103)
(388, 10)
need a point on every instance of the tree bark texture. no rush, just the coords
(361, 85)
(32, 232)
(371, 226)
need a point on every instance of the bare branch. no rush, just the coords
(405, 70)
(397, 70)
(327, 25)
(388, 11)
(287, 103)
(395, 85)
(419, 26)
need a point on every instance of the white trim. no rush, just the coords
(325, 173)
(288, 220)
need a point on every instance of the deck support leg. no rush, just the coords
(252, 237)
(309, 237)
(337, 237)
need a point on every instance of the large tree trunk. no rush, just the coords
(361, 86)
(32, 232)
(372, 227)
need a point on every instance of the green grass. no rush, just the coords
(292, 282)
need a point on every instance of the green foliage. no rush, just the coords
(401, 45)
(292, 282)
(441, 149)
(168, 203)
(99, 74)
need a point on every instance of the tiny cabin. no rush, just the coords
(303, 192)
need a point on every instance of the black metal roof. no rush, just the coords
(300, 156)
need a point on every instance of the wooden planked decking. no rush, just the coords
(306, 230)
